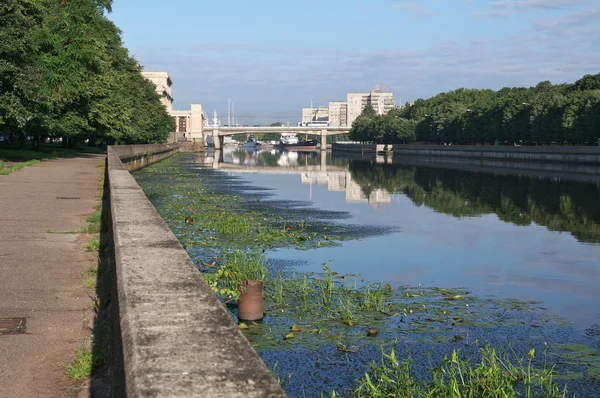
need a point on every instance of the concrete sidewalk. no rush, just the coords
(42, 273)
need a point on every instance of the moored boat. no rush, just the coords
(308, 145)
(250, 144)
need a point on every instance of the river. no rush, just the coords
(507, 234)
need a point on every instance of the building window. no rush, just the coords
(182, 124)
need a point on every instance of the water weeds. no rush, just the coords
(327, 316)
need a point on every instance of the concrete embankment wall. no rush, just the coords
(178, 339)
(582, 155)
(572, 154)
(135, 157)
(354, 148)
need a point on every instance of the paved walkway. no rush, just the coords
(42, 273)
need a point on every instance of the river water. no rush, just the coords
(524, 234)
(528, 237)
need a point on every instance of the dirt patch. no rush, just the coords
(12, 326)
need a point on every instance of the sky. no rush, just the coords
(272, 57)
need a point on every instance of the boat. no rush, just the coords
(251, 143)
(306, 145)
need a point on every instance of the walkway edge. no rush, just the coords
(178, 339)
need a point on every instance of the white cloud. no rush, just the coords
(271, 82)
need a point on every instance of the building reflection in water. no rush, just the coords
(311, 165)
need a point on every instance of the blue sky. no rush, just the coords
(272, 57)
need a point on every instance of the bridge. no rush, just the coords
(219, 132)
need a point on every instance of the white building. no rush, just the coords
(163, 83)
(188, 124)
(381, 101)
(338, 113)
(318, 114)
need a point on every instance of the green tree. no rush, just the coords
(19, 72)
(65, 73)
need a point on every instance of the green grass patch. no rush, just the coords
(85, 361)
(90, 281)
(93, 245)
(17, 166)
(94, 221)
(81, 366)
(24, 158)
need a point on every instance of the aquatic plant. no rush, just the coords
(327, 311)
(236, 267)
(455, 377)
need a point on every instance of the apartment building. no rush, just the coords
(381, 101)
(338, 113)
(319, 114)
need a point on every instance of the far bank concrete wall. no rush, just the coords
(566, 154)
(561, 154)
(354, 148)
(178, 339)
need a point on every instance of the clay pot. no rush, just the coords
(250, 303)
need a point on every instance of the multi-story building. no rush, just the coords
(356, 103)
(318, 114)
(344, 113)
(163, 83)
(381, 101)
(338, 111)
(188, 124)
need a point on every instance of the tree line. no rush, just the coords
(547, 114)
(64, 74)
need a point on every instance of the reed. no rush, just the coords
(496, 376)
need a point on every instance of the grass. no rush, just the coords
(81, 366)
(24, 158)
(94, 221)
(93, 245)
(495, 376)
(86, 360)
(14, 167)
(94, 355)
(90, 281)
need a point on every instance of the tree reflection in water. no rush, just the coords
(556, 204)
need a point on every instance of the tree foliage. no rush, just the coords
(546, 114)
(390, 128)
(64, 73)
(542, 115)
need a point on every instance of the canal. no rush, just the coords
(520, 252)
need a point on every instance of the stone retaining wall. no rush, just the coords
(135, 157)
(178, 339)
(560, 154)
(566, 154)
